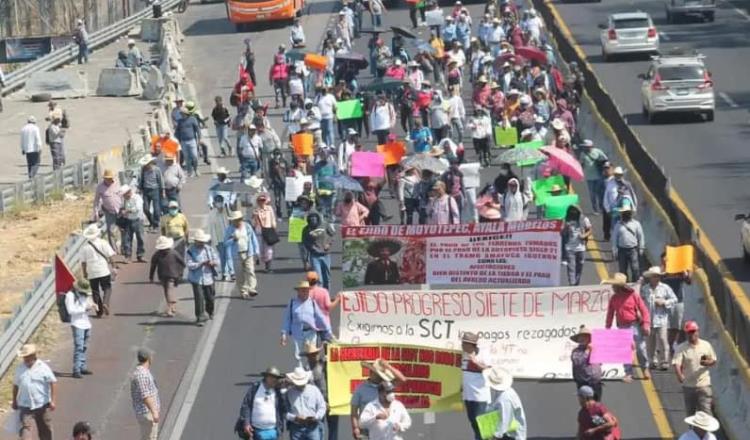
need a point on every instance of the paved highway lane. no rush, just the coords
(708, 163)
(249, 338)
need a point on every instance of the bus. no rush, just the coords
(242, 13)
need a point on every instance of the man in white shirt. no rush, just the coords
(31, 145)
(262, 407)
(78, 303)
(504, 399)
(297, 34)
(346, 149)
(702, 427)
(475, 391)
(96, 259)
(34, 392)
(385, 418)
(249, 152)
(327, 107)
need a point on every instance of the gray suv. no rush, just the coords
(683, 8)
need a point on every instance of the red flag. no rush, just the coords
(64, 278)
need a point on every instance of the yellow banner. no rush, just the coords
(433, 375)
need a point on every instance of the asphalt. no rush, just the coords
(706, 162)
(248, 340)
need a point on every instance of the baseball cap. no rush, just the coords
(586, 391)
(691, 326)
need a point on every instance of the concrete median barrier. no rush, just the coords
(59, 84)
(119, 82)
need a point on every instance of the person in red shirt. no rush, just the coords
(244, 90)
(629, 311)
(595, 421)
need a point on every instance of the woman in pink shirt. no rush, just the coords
(320, 295)
(264, 222)
(351, 212)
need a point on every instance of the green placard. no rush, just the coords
(541, 188)
(351, 109)
(488, 423)
(505, 137)
(296, 225)
(556, 207)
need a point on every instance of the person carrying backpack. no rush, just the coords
(77, 305)
(454, 184)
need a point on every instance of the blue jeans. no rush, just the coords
(190, 149)
(474, 409)
(152, 206)
(640, 348)
(304, 255)
(326, 126)
(322, 265)
(266, 434)
(32, 163)
(248, 167)
(333, 427)
(629, 263)
(298, 432)
(134, 227)
(83, 53)
(596, 194)
(377, 20)
(225, 257)
(222, 137)
(80, 345)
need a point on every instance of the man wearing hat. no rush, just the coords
(242, 243)
(78, 303)
(221, 184)
(262, 410)
(496, 36)
(306, 407)
(169, 265)
(34, 392)
(380, 371)
(316, 238)
(616, 189)
(174, 179)
(107, 204)
(584, 372)
(202, 261)
(628, 309)
(96, 265)
(81, 38)
(702, 427)
(174, 224)
(303, 320)
(31, 145)
(188, 133)
(595, 421)
(506, 401)
(691, 361)
(660, 300)
(592, 160)
(164, 144)
(218, 222)
(475, 392)
(135, 58)
(151, 185)
(628, 243)
(145, 396)
(131, 223)
(382, 270)
(385, 418)
(249, 152)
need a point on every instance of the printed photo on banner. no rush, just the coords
(503, 254)
(525, 330)
(433, 375)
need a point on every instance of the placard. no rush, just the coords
(541, 188)
(434, 17)
(302, 143)
(471, 174)
(505, 137)
(611, 345)
(555, 207)
(392, 152)
(296, 226)
(679, 259)
(294, 187)
(488, 423)
(367, 164)
(351, 109)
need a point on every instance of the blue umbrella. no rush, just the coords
(343, 182)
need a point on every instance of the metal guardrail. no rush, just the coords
(66, 54)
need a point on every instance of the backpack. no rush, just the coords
(65, 123)
(62, 309)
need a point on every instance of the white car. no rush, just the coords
(629, 33)
(677, 84)
(745, 235)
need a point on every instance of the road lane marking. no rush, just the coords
(663, 36)
(728, 99)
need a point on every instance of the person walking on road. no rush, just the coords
(188, 133)
(629, 311)
(317, 366)
(380, 371)
(81, 38)
(592, 161)
(174, 224)
(218, 222)
(222, 119)
(31, 146)
(505, 400)
(96, 264)
(55, 137)
(131, 217)
(575, 234)
(34, 392)
(303, 320)
(203, 264)
(242, 244)
(442, 208)
(262, 411)
(174, 179)
(169, 265)
(676, 281)
(595, 420)
(702, 427)
(660, 300)
(264, 221)
(584, 372)
(145, 397)
(385, 418)
(78, 304)
(692, 360)
(316, 237)
(321, 296)
(628, 244)
(107, 204)
(151, 185)
(305, 406)
(476, 393)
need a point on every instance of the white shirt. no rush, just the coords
(327, 105)
(133, 207)
(251, 146)
(510, 407)
(456, 108)
(481, 127)
(458, 56)
(345, 153)
(264, 408)
(33, 384)
(691, 435)
(385, 429)
(297, 33)
(31, 138)
(382, 117)
(96, 265)
(296, 87)
(78, 305)
(475, 388)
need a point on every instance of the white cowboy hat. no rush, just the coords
(436, 151)
(617, 280)
(145, 160)
(254, 182)
(201, 236)
(498, 378)
(26, 350)
(558, 124)
(703, 421)
(653, 271)
(91, 232)
(163, 243)
(222, 170)
(235, 215)
(378, 368)
(299, 376)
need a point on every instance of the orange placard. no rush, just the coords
(302, 143)
(315, 61)
(392, 152)
(679, 258)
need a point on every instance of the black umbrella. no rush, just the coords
(398, 30)
(421, 46)
(383, 84)
(353, 59)
(376, 30)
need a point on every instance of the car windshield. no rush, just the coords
(631, 23)
(681, 73)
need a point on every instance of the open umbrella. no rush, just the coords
(295, 55)
(425, 162)
(398, 30)
(353, 59)
(504, 57)
(383, 84)
(532, 53)
(516, 155)
(343, 182)
(564, 162)
(375, 30)
(421, 46)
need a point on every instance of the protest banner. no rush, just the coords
(367, 164)
(294, 187)
(504, 254)
(392, 152)
(679, 258)
(555, 207)
(526, 330)
(350, 109)
(434, 17)
(471, 174)
(434, 376)
(296, 226)
(505, 137)
(488, 422)
(302, 143)
(541, 188)
(612, 345)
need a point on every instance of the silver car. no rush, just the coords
(677, 84)
(627, 33)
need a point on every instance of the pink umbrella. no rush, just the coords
(532, 53)
(564, 162)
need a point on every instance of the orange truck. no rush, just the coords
(243, 13)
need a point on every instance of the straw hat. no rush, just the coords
(108, 174)
(312, 276)
(304, 284)
(582, 331)
(653, 271)
(499, 379)
(436, 151)
(618, 171)
(378, 368)
(470, 338)
(91, 232)
(703, 421)
(222, 170)
(254, 182)
(299, 376)
(145, 160)
(201, 236)
(83, 286)
(617, 280)
(235, 215)
(376, 245)
(311, 348)
(558, 124)
(163, 243)
(555, 188)
(27, 350)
